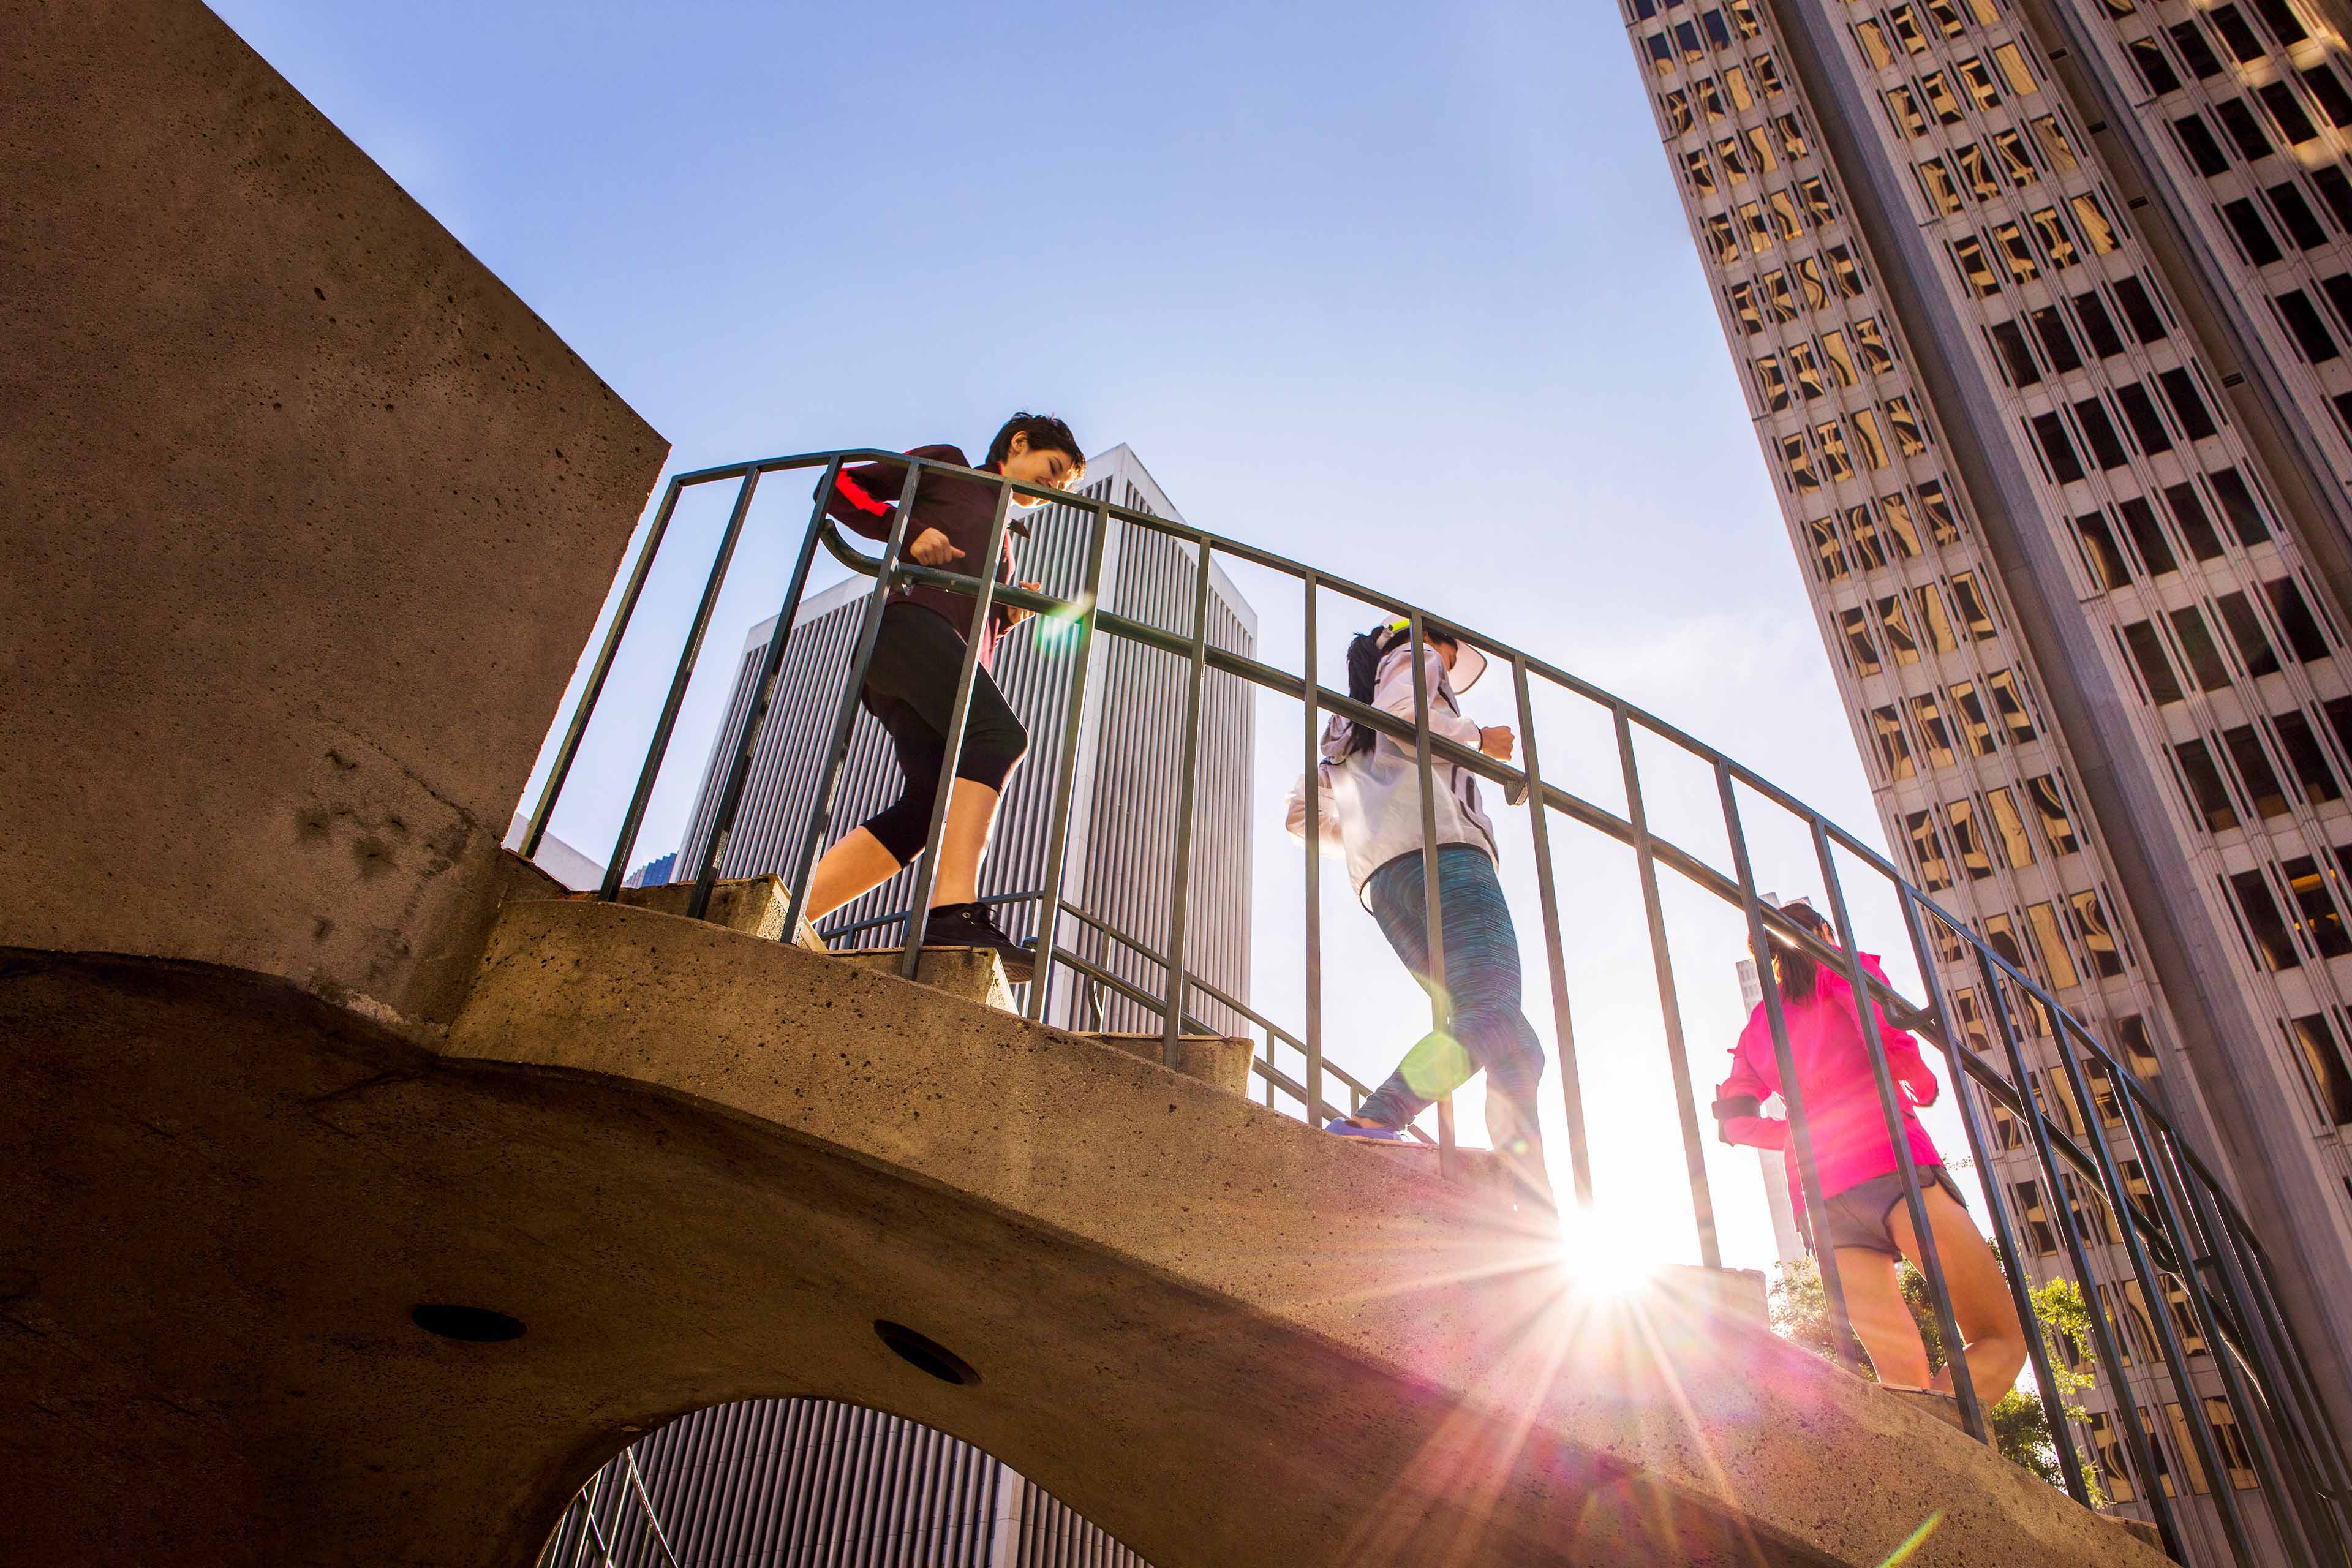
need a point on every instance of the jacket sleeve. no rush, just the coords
(1903, 1058)
(1393, 693)
(1294, 815)
(866, 495)
(1739, 1099)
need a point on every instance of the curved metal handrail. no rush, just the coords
(2185, 1226)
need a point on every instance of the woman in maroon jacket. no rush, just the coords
(910, 686)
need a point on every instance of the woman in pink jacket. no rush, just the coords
(1868, 1222)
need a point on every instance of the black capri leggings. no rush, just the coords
(912, 689)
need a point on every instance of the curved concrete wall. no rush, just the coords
(305, 517)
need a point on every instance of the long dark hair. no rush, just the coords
(1364, 656)
(1797, 972)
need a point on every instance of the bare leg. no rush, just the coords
(856, 864)
(1881, 1321)
(1980, 1300)
(971, 817)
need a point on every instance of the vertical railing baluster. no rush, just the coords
(763, 693)
(927, 870)
(1956, 1057)
(2274, 1444)
(2303, 1395)
(618, 866)
(2062, 1219)
(2200, 1425)
(845, 718)
(1313, 791)
(1898, 1138)
(1179, 903)
(1441, 996)
(566, 753)
(1792, 1094)
(1670, 1007)
(1571, 1083)
(1058, 845)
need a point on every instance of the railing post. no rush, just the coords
(1572, 1084)
(763, 693)
(1057, 839)
(1670, 1010)
(1956, 1057)
(927, 870)
(2271, 1429)
(2061, 1218)
(622, 846)
(844, 719)
(1441, 995)
(1312, 788)
(2200, 1425)
(1898, 1139)
(1180, 900)
(560, 769)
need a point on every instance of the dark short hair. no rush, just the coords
(1045, 433)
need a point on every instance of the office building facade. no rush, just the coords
(789, 1483)
(2040, 307)
(1123, 815)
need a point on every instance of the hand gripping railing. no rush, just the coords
(2183, 1233)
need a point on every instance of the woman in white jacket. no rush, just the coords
(1371, 812)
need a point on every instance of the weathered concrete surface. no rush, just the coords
(756, 905)
(1388, 1369)
(305, 516)
(1230, 1340)
(1223, 1060)
(966, 973)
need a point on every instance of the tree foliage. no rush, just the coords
(2020, 1425)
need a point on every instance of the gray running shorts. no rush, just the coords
(1858, 1215)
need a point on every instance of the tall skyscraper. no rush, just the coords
(1124, 811)
(2039, 306)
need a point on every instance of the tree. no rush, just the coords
(2020, 1425)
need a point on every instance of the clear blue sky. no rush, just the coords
(1402, 291)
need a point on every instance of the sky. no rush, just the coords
(1402, 292)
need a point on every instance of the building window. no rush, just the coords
(1829, 558)
(2331, 1078)
(2304, 756)
(2287, 112)
(2188, 515)
(1968, 841)
(2254, 771)
(1976, 614)
(2295, 619)
(2315, 909)
(2050, 941)
(2187, 406)
(1895, 626)
(1871, 342)
(2100, 552)
(2050, 805)
(2196, 140)
(1968, 257)
(2208, 799)
(2148, 537)
(2100, 432)
(2097, 933)
(2197, 645)
(2246, 632)
(1937, 621)
(2266, 930)
(1928, 720)
(1808, 373)
(2155, 669)
(2237, 506)
(2098, 327)
(1927, 852)
(1893, 749)
(1974, 729)
(2055, 147)
(2009, 829)
(1861, 652)
(2139, 413)
(2057, 451)
(1894, 522)
(2302, 319)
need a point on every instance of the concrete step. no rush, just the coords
(1220, 1059)
(752, 904)
(969, 973)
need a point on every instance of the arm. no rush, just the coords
(1739, 1100)
(1393, 693)
(1294, 814)
(1903, 1058)
(864, 495)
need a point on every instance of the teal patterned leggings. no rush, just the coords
(1482, 972)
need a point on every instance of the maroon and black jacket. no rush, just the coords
(865, 496)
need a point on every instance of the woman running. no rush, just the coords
(1868, 1223)
(910, 687)
(1372, 811)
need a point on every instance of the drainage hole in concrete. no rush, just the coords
(924, 1354)
(475, 1325)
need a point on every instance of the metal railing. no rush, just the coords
(2181, 1236)
(610, 1524)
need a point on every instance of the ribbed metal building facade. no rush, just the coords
(807, 1483)
(1124, 809)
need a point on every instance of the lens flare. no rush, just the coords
(1606, 1254)
(1058, 631)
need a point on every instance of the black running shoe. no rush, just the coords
(973, 925)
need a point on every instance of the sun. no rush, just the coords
(1604, 1253)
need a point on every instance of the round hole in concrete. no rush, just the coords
(475, 1325)
(924, 1354)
